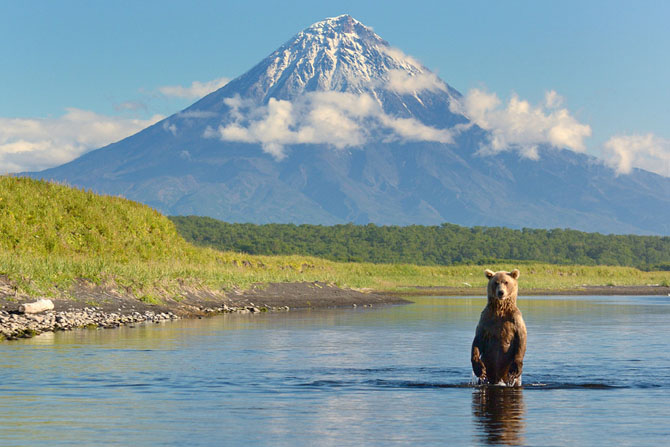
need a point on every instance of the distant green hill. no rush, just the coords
(47, 219)
(429, 245)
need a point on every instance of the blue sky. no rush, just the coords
(108, 65)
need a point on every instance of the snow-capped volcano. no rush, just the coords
(338, 126)
(336, 83)
(337, 54)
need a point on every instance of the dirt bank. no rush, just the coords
(90, 305)
(196, 301)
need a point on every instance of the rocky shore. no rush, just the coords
(101, 307)
(14, 325)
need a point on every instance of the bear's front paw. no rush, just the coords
(479, 370)
(515, 368)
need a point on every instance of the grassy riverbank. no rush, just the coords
(152, 281)
(54, 239)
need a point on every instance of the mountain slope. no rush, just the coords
(338, 126)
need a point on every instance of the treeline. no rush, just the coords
(446, 244)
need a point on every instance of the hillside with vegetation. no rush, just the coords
(53, 237)
(56, 240)
(429, 245)
(48, 219)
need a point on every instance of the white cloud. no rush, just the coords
(131, 106)
(196, 114)
(172, 128)
(520, 126)
(185, 155)
(413, 130)
(337, 119)
(31, 144)
(552, 99)
(195, 90)
(400, 56)
(401, 81)
(625, 152)
(28, 144)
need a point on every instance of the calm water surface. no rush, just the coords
(597, 372)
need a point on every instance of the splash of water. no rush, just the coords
(476, 381)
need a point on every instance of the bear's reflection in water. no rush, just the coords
(499, 412)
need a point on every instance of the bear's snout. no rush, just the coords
(501, 292)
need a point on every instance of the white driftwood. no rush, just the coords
(36, 307)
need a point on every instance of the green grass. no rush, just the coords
(47, 219)
(53, 237)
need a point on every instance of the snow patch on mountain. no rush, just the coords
(338, 54)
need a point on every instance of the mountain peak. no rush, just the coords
(344, 22)
(335, 54)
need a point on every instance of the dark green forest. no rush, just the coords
(446, 244)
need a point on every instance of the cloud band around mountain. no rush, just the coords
(402, 82)
(346, 120)
(341, 120)
(338, 119)
(520, 126)
(650, 152)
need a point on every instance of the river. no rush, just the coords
(596, 372)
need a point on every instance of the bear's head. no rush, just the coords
(502, 287)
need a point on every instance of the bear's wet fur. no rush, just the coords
(500, 340)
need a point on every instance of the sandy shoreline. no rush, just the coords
(96, 306)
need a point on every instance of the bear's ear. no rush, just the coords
(489, 273)
(515, 273)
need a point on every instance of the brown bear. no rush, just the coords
(500, 340)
